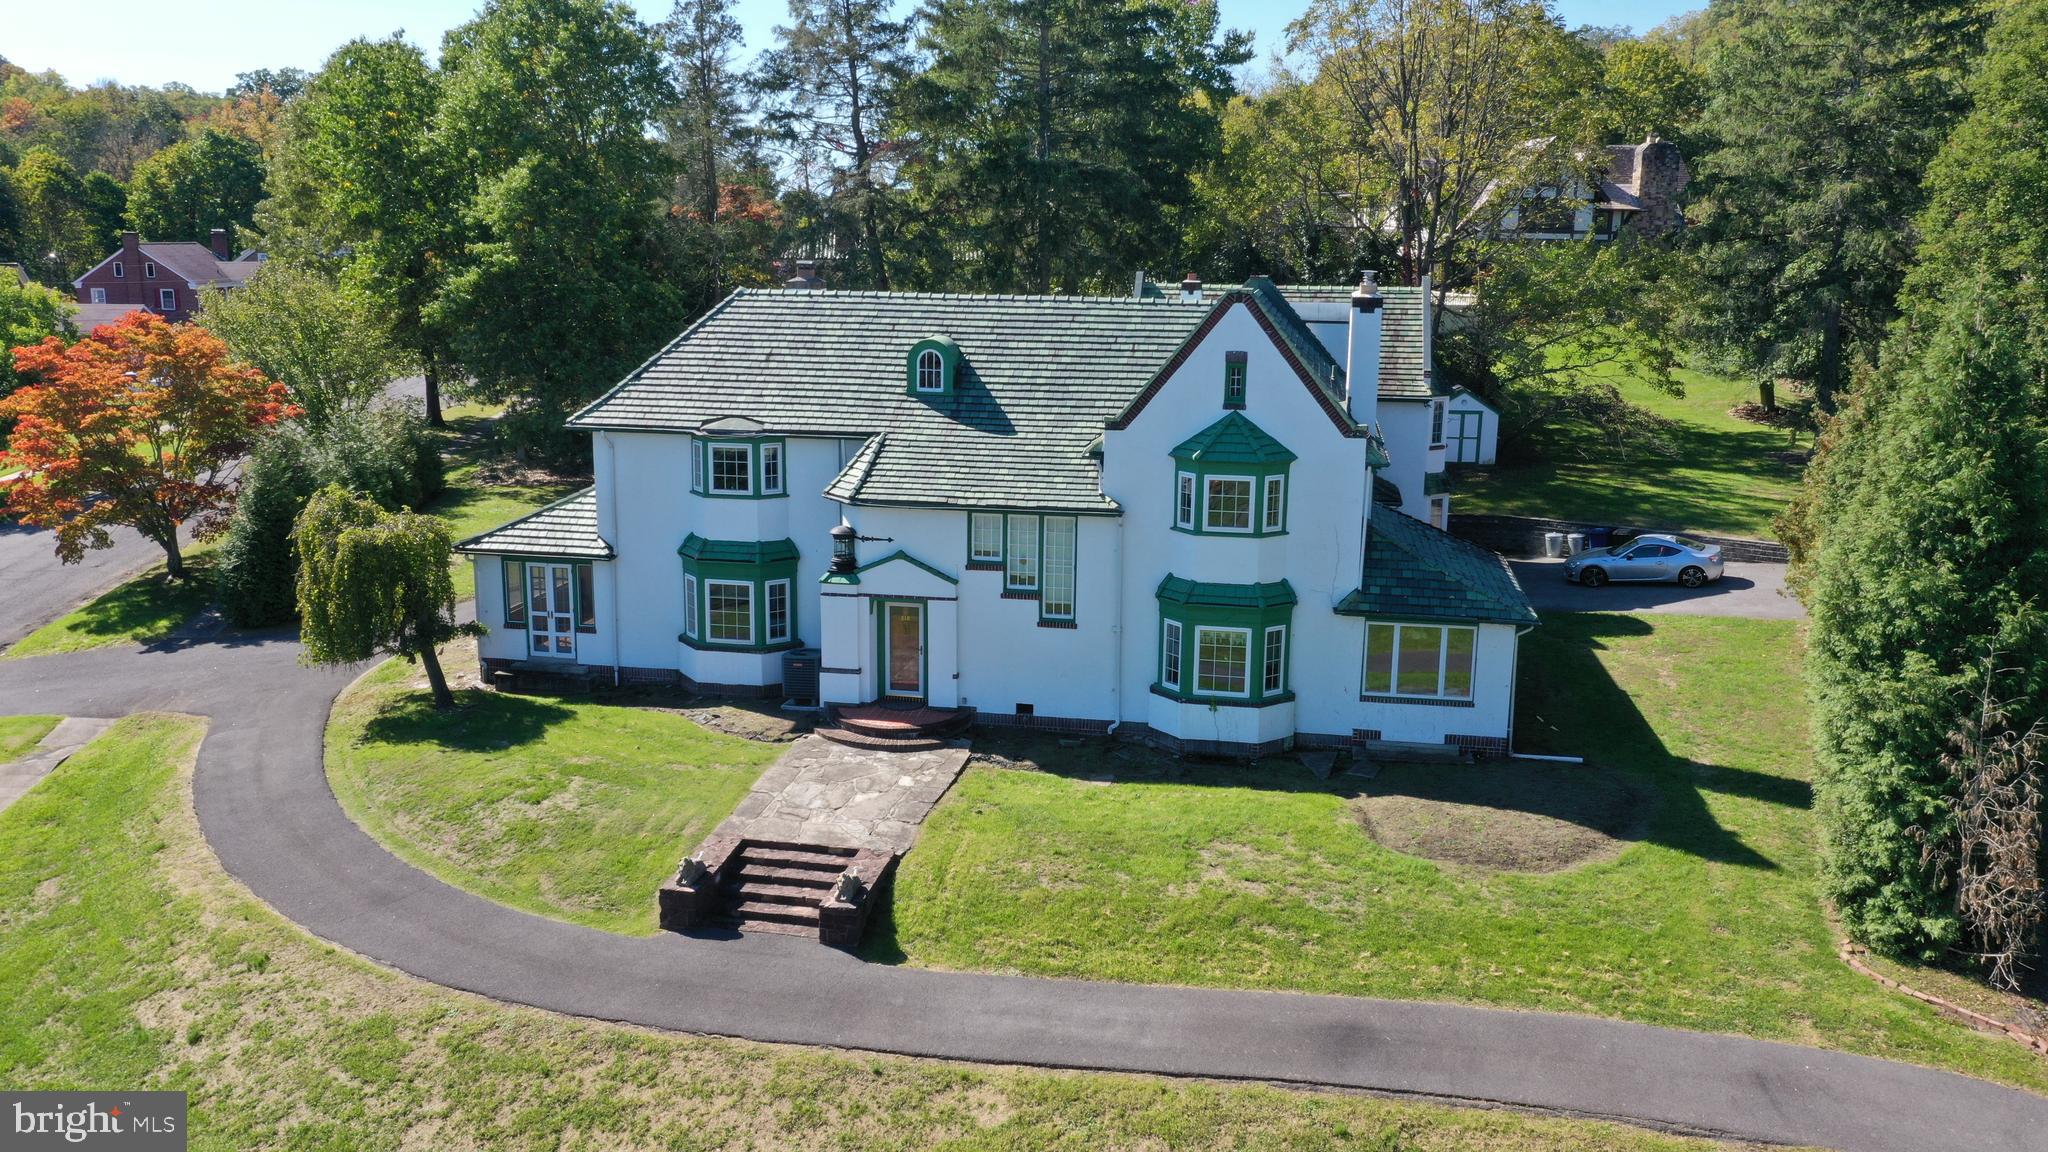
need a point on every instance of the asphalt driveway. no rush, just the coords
(41, 588)
(1752, 591)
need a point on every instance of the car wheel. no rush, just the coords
(1592, 578)
(1693, 577)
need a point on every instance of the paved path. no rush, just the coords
(825, 793)
(1755, 591)
(40, 588)
(265, 807)
(19, 775)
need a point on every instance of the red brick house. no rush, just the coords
(164, 278)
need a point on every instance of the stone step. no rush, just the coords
(776, 913)
(751, 856)
(794, 877)
(775, 926)
(793, 846)
(779, 894)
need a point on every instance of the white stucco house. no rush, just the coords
(1210, 519)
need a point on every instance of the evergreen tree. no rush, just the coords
(724, 220)
(1056, 140)
(1824, 115)
(105, 203)
(831, 81)
(562, 286)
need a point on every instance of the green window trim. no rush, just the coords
(1231, 479)
(921, 370)
(583, 591)
(1235, 367)
(985, 541)
(1227, 645)
(730, 583)
(1039, 555)
(762, 471)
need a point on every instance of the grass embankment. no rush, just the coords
(142, 610)
(469, 505)
(1703, 913)
(128, 959)
(1729, 476)
(563, 807)
(19, 734)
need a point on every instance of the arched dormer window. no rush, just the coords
(933, 367)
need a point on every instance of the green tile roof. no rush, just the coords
(1039, 376)
(1176, 590)
(1412, 569)
(567, 528)
(1233, 440)
(697, 549)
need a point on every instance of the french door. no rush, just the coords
(903, 649)
(551, 610)
(1465, 437)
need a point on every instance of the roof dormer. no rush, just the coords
(932, 367)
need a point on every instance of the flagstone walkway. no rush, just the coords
(826, 793)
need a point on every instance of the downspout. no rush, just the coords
(1118, 632)
(611, 467)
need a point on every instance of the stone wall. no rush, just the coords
(1523, 536)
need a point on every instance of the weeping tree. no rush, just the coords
(373, 582)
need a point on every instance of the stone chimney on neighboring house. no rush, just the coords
(1362, 350)
(219, 243)
(806, 278)
(1660, 175)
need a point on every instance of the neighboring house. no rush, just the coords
(1151, 515)
(165, 278)
(1638, 193)
(1471, 428)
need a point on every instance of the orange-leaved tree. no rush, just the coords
(141, 423)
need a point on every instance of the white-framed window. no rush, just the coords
(1056, 596)
(778, 611)
(1428, 661)
(99, 295)
(1275, 512)
(985, 537)
(1021, 572)
(119, 271)
(1439, 511)
(1223, 661)
(696, 465)
(1184, 501)
(1169, 656)
(1275, 678)
(1436, 423)
(771, 469)
(729, 611)
(931, 371)
(732, 468)
(1227, 504)
(167, 299)
(149, 270)
(690, 607)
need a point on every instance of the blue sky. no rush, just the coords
(205, 42)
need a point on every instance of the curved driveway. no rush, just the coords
(265, 807)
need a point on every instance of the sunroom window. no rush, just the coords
(1425, 661)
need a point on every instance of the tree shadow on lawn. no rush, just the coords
(480, 721)
(1568, 704)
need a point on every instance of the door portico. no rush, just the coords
(889, 631)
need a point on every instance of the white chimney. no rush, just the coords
(1191, 289)
(1362, 351)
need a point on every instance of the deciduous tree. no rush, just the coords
(373, 582)
(140, 423)
(57, 239)
(193, 187)
(297, 328)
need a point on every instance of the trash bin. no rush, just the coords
(1553, 544)
(1599, 537)
(1574, 543)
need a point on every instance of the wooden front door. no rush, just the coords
(551, 611)
(902, 649)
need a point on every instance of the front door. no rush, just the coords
(551, 611)
(903, 649)
(1465, 428)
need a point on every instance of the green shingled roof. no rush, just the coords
(1412, 569)
(1233, 440)
(1039, 376)
(568, 528)
(697, 548)
(1177, 590)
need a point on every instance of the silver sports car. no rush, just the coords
(1689, 562)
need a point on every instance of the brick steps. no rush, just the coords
(777, 886)
(798, 877)
(854, 739)
(761, 910)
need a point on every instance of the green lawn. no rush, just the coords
(469, 505)
(145, 609)
(563, 807)
(128, 959)
(1264, 877)
(1724, 479)
(18, 734)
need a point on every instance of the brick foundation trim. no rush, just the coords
(1481, 747)
(1041, 723)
